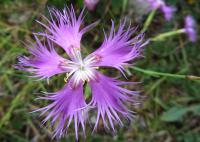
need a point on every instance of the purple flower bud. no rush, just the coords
(155, 4)
(160, 4)
(168, 11)
(91, 4)
(190, 28)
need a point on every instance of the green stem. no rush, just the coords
(148, 20)
(162, 36)
(125, 2)
(157, 74)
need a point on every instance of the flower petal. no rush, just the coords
(109, 98)
(65, 28)
(118, 48)
(67, 106)
(44, 63)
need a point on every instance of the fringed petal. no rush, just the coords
(67, 106)
(118, 48)
(65, 28)
(44, 62)
(109, 98)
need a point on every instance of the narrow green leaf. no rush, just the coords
(174, 114)
(195, 109)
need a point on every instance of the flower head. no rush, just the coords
(108, 97)
(160, 4)
(168, 11)
(190, 28)
(91, 4)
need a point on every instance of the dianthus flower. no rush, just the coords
(189, 28)
(160, 4)
(91, 4)
(69, 104)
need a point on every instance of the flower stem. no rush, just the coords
(157, 74)
(148, 20)
(163, 36)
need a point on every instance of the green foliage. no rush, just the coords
(174, 114)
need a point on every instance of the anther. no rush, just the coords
(96, 68)
(66, 77)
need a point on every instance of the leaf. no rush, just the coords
(195, 109)
(174, 114)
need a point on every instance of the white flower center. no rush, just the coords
(80, 70)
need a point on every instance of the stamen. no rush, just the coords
(76, 54)
(66, 77)
(68, 65)
(82, 70)
(69, 74)
(95, 68)
(92, 59)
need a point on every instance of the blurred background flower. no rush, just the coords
(190, 28)
(91, 4)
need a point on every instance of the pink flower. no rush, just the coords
(108, 97)
(168, 11)
(190, 28)
(160, 4)
(91, 4)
